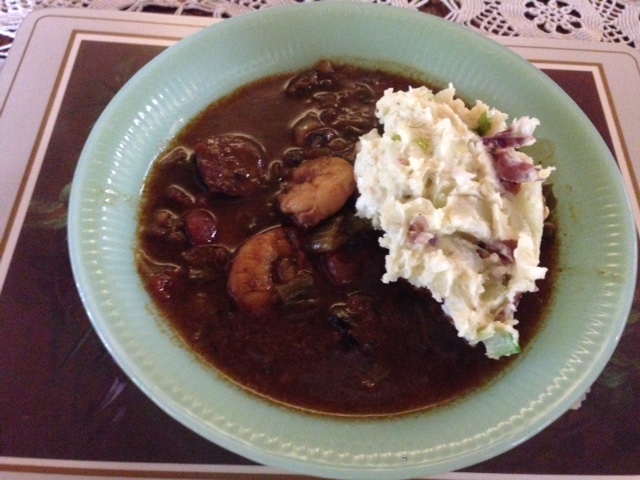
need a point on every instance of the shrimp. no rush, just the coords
(317, 189)
(262, 265)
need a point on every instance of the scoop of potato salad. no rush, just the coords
(461, 207)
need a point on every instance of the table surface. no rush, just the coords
(62, 397)
(601, 21)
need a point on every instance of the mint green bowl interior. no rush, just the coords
(594, 286)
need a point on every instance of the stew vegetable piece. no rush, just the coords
(250, 248)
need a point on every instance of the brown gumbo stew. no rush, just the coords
(249, 245)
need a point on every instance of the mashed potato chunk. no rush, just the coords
(460, 206)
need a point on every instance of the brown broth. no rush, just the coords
(396, 353)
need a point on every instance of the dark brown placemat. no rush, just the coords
(63, 397)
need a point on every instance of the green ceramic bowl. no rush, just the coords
(594, 287)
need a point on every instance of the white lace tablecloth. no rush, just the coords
(588, 20)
